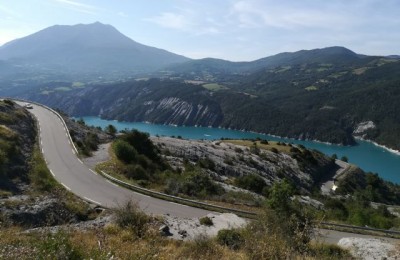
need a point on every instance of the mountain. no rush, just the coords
(85, 49)
(216, 67)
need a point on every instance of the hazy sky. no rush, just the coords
(228, 29)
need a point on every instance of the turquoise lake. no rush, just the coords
(366, 155)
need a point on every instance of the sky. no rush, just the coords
(237, 30)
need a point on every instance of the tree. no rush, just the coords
(110, 129)
(344, 158)
(279, 197)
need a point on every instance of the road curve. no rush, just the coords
(70, 171)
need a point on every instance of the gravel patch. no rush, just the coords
(99, 156)
(190, 228)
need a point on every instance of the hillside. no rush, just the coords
(210, 68)
(17, 137)
(92, 49)
(327, 102)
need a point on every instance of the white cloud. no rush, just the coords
(170, 20)
(79, 7)
(192, 18)
(122, 14)
(257, 14)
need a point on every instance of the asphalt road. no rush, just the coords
(70, 171)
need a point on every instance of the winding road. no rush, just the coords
(75, 176)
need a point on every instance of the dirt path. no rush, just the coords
(99, 156)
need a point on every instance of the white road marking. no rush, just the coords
(95, 202)
(80, 161)
(65, 186)
(93, 171)
(112, 183)
(66, 134)
(73, 151)
(52, 173)
(178, 204)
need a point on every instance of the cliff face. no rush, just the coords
(152, 101)
(169, 110)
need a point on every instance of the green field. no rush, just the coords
(214, 87)
(311, 88)
(78, 85)
(62, 89)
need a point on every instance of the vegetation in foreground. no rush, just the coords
(135, 235)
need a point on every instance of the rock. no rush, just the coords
(164, 230)
(183, 233)
(370, 248)
(44, 212)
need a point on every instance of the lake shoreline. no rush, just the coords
(369, 156)
(397, 152)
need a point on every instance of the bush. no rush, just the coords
(230, 238)
(110, 129)
(251, 182)
(199, 184)
(124, 151)
(137, 172)
(207, 163)
(274, 150)
(206, 221)
(130, 216)
(142, 143)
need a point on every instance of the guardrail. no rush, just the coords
(385, 231)
(195, 203)
(179, 200)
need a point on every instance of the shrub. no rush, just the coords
(110, 129)
(142, 143)
(207, 163)
(200, 185)
(202, 247)
(206, 221)
(129, 215)
(230, 238)
(251, 182)
(274, 150)
(124, 151)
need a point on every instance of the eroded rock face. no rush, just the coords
(45, 211)
(363, 127)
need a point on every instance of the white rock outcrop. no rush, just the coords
(370, 248)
